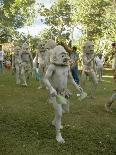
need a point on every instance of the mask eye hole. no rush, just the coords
(62, 56)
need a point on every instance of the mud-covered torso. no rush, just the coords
(88, 66)
(25, 57)
(17, 59)
(60, 77)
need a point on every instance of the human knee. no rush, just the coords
(57, 107)
(65, 108)
(59, 113)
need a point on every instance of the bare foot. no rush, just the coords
(40, 87)
(24, 85)
(108, 108)
(59, 138)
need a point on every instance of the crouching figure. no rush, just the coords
(56, 79)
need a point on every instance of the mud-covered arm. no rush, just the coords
(48, 75)
(78, 87)
(31, 59)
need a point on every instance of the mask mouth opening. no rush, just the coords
(91, 50)
(65, 60)
(17, 50)
(42, 50)
(87, 52)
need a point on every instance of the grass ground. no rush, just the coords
(25, 121)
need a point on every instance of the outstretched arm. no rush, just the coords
(78, 87)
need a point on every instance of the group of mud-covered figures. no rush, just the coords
(54, 72)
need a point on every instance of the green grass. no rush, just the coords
(25, 121)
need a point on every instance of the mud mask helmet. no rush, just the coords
(88, 47)
(60, 56)
(50, 44)
(25, 47)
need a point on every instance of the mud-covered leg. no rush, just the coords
(57, 121)
(42, 73)
(83, 79)
(23, 76)
(95, 83)
(100, 74)
(17, 74)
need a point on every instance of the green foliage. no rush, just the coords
(5, 35)
(58, 17)
(20, 38)
(97, 19)
(14, 14)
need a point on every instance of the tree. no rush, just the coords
(58, 18)
(14, 14)
(95, 17)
